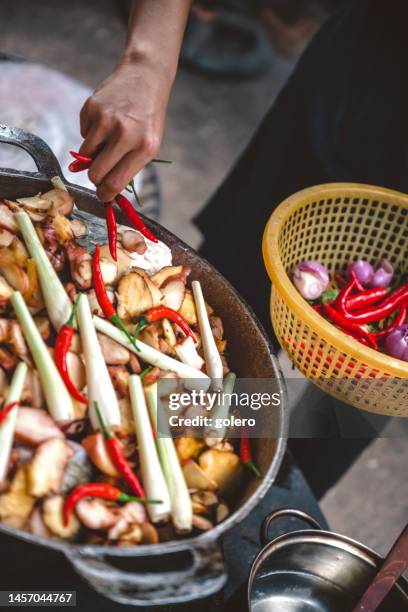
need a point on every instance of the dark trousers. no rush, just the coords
(342, 116)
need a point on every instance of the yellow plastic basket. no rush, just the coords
(333, 224)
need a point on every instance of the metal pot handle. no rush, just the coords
(43, 157)
(281, 512)
(205, 577)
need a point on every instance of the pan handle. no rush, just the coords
(205, 576)
(281, 512)
(43, 157)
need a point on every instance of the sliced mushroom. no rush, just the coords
(188, 309)
(36, 524)
(76, 370)
(196, 478)
(6, 237)
(17, 502)
(127, 424)
(120, 380)
(173, 294)
(150, 336)
(80, 264)
(219, 466)
(113, 352)
(3, 382)
(16, 207)
(124, 262)
(5, 290)
(32, 393)
(133, 512)
(221, 512)
(78, 228)
(54, 520)
(150, 534)
(96, 448)
(188, 448)
(46, 470)
(19, 251)
(132, 534)
(44, 327)
(165, 274)
(34, 426)
(60, 202)
(16, 339)
(207, 498)
(7, 220)
(217, 327)
(62, 229)
(7, 359)
(109, 271)
(201, 523)
(35, 204)
(136, 294)
(133, 242)
(151, 377)
(14, 275)
(134, 364)
(94, 514)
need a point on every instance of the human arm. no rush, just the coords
(122, 122)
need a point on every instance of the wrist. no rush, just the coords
(145, 54)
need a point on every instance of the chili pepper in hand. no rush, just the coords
(78, 166)
(82, 158)
(163, 312)
(340, 320)
(118, 458)
(112, 229)
(385, 309)
(245, 454)
(103, 298)
(104, 491)
(398, 321)
(5, 411)
(126, 207)
(61, 349)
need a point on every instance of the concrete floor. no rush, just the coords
(209, 123)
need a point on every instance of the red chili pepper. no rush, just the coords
(245, 454)
(112, 229)
(366, 298)
(126, 207)
(339, 279)
(163, 312)
(5, 411)
(61, 349)
(119, 460)
(344, 295)
(382, 311)
(86, 159)
(103, 298)
(104, 491)
(78, 166)
(340, 320)
(398, 321)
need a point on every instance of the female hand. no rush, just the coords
(122, 124)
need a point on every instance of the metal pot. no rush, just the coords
(314, 571)
(203, 573)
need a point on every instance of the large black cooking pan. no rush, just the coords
(250, 357)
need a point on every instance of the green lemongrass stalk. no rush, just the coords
(56, 299)
(99, 384)
(198, 380)
(213, 361)
(154, 483)
(181, 507)
(58, 183)
(56, 395)
(221, 411)
(8, 426)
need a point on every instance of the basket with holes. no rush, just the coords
(333, 224)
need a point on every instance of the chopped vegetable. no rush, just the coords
(46, 470)
(187, 353)
(154, 357)
(152, 475)
(99, 489)
(181, 508)
(7, 427)
(56, 299)
(56, 395)
(311, 279)
(213, 361)
(118, 458)
(163, 312)
(99, 385)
